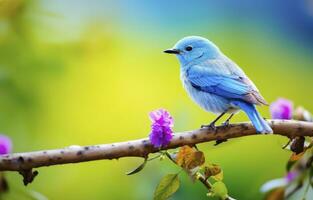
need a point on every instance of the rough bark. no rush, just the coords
(25, 162)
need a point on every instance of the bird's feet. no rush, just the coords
(209, 126)
(226, 123)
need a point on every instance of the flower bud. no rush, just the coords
(302, 114)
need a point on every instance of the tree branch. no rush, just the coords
(23, 162)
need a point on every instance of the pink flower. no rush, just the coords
(281, 109)
(291, 176)
(5, 145)
(161, 132)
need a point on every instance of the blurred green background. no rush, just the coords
(89, 72)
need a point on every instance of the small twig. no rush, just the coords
(204, 181)
(168, 155)
(155, 157)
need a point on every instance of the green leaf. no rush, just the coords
(219, 190)
(139, 168)
(168, 185)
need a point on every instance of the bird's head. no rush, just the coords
(193, 48)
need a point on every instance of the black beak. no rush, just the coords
(172, 51)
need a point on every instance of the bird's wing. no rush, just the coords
(229, 86)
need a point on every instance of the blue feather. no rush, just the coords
(225, 86)
(258, 122)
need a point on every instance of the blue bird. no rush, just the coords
(216, 83)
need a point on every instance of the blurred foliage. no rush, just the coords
(298, 181)
(68, 77)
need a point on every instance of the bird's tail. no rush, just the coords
(258, 122)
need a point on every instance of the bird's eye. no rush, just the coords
(188, 48)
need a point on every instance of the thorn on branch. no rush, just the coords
(28, 175)
(217, 142)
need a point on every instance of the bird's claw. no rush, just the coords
(225, 124)
(209, 126)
